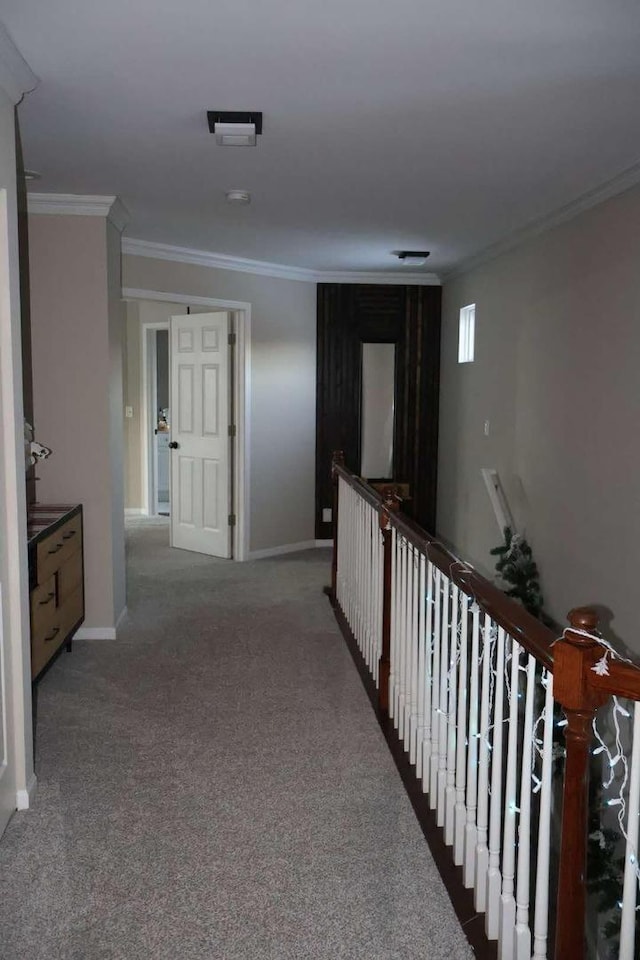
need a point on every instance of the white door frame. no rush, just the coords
(241, 401)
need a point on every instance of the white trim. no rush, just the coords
(324, 543)
(16, 76)
(95, 633)
(25, 798)
(606, 191)
(279, 551)
(79, 205)
(221, 261)
(135, 512)
(242, 402)
(14, 603)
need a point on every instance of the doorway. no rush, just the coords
(151, 417)
(157, 418)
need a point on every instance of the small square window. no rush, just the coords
(467, 334)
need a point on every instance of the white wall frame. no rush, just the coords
(241, 402)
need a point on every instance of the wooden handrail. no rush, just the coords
(530, 633)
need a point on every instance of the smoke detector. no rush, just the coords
(412, 258)
(233, 128)
(238, 196)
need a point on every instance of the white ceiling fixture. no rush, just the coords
(238, 196)
(412, 258)
(233, 128)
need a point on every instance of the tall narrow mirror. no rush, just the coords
(377, 410)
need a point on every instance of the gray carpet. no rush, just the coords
(214, 785)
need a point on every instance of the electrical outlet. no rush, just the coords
(326, 515)
(128, 412)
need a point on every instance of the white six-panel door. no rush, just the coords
(200, 406)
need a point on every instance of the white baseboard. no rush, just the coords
(278, 551)
(134, 512)
(324, 543)
(95, 633)
(25, 798)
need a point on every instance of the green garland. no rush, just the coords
(517, 567)
(605, 869)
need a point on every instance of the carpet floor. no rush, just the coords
(214, 786)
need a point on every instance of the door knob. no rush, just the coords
(174, 445)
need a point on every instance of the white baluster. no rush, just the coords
(522, 930)
(375, 593)
(369, 592)
(482, 849)
(421, 667)
(492, 915)
(413, 653)
(408, 645)
(434, 759)
(359, 571)
(507, 899)
(403, 637)
(393, 639)
(452, 686)
(470, 829)
(541, 914)
(460, 810)
(428, 677)
(444, 701)
(630, 883)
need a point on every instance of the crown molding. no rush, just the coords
(79, 205)
(221, 261)
(606, 191)
(16, 76)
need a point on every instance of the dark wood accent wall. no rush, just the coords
(409, 317)
(25, 304)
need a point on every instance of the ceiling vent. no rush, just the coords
(234, 128)
(412, 258)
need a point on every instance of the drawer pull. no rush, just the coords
(50, 597)
(67, 536)
(53, 635)
(55, 549)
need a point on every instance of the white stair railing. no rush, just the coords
(469, 680)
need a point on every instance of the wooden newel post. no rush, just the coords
(389, 506)
(337, 458)
(573, 657)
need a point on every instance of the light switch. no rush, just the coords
(128, 412)
(487, 426)
(326, 515)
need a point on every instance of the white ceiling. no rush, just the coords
(436, 124)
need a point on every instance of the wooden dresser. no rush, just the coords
(56, 580)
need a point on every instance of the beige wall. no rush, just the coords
(556, 374)
(283, 387)
(75, 315)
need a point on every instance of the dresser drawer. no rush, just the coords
(43, 607)
(71, 611)
(45, 640)
(52, 551)
(69, 577)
